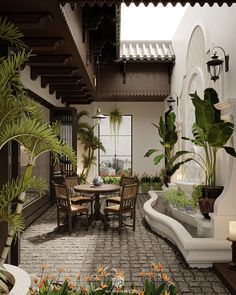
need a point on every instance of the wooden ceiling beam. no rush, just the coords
(69, 102)
(77, 99)
(43, 44)
(71, 94)
(26, 20)
(52, 71)
(66, 87)
(37, 60)
(59, 81)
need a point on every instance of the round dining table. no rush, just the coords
(97, 191)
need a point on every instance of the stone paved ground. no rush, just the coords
(133, 252)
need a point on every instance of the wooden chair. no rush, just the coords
(70, 182)
(123, 181)
(127, 204)
(64, 205)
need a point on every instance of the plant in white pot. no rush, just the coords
(211, 133)
(21, 120)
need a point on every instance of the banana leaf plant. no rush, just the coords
(210, 132)
(21, 120)
(169, 137)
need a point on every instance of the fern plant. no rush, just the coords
(21, 120)
(115, 119)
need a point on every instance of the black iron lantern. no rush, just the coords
(171, 100)
(215, 65)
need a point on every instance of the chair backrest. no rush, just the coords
(62, 197)
(128, 180)
(71, 181)
(129, 194)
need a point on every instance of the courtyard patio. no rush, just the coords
(132, 252)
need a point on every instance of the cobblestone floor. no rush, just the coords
(132, 252)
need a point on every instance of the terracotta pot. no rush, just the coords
(209, 195)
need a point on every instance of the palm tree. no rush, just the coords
(90, 142)
(21, 120)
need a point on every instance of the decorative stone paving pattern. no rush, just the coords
(132, 252)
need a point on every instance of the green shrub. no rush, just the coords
(111, 180)
(196, 194)
(178, 199)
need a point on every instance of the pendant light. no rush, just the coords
(98, 115)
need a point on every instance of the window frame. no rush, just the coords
(131, 147)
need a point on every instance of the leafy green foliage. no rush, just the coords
(111, 180)
(210, 132)
(169, 136)
(90, 143)
(197, 194)
(178, 199)
(115, 119)
(21, 120)
(10, 33)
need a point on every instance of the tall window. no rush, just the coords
(117, 159)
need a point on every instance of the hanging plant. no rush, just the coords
(115, 118)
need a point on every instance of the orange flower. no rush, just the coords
(41, 285)
(103, 273)
(120, 273)
(157, 267)
(150, 275)
(141, 292)
(165, 277)
(142, 274)
(84, 290)
(44, 266)
(101, 268)
(104, 286)
(88, 279)
(43, 280)
(97, 278)
(71, 285)
(36, 280)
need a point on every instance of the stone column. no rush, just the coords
(225, 205)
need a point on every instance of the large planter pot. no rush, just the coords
(209, 195)
(167, 180)
(145, 186)
(19, 279)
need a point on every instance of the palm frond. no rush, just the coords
(9, 72)
(15, 221)
(10, 32)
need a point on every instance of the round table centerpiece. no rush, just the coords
(97, 181)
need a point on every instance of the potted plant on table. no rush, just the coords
(21, 121)
(212, 134)
(169, 137)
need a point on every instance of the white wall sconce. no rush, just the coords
(215, 65)
(232, 238)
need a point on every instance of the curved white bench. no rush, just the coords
(198, 252)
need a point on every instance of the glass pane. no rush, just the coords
(109, 165)
(125, 128)
(123, 145)
(108, 143)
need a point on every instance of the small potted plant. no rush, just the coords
(212, 134)
(115, 119)
(145, 182)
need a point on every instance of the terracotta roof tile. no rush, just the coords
(146, 51)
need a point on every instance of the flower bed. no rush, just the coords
(105, 281)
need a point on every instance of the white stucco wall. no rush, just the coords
(218, 25)
(200, 30)
(145, 135)
(35, 86)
